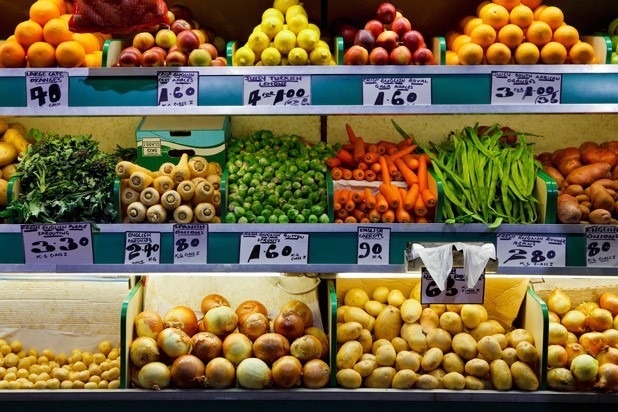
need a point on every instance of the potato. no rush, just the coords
(4, 125)
(340, 313)
(368, 356)
(388, 323)
(489, 348)
(474, 383)
(477, 367)
(413, 334)
(427, 382)
(432, 359)
(502, 339)
(487, 328)
(429, 320)
(385, 355)
(364, 367)
(349, 379)
(380, 294)
(4, 192)
(524, 377)
(438, 373)
(454, 380)
(366, 340)
(454, 308)
(356, 297)
(451, 322)
(354, 314)
(373, 307)
(395, 298)
(17, 139)
(439, 308)
(415, 293)
(348, 354)
(439, 338)
(8, 153)
(411, 310)
(8, 171)
(348, 331)
(377, 343)
(526, 352)
(500, 375)
(509, 355)
(408, 360)
(381, 377)
(400, 344)
(452, 362)
(404, 379)
(472, 315)
(517, 335)
(465, 346)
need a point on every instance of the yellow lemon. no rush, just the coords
(285, 41)
(271, 26)
(297, 23)
(284, 5)
(320, 56)
(307, 39)
(244, 56)
(270, 57)
(258, 41)
(294, 10)
(272, 12)
(298, 56)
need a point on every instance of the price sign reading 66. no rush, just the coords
(64, 243)
(177, 88)
(456, 291)
(142, 248)
(373, 246)
(602, 246)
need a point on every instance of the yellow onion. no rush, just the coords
(206, 346)
(600, 319)
(586, 307)
(560, 379)
(286, 372)
(154, 375)
(553, 316)
(253, 324)
(607, 355)
(143, 350)
(134, 377)
(585, 368)
(305, 348)
(575, 321)
(558, 334)
(211, 301)
(251, 306)
(219, 374)
(271, 346)
(608, 378)
(558, 302)
(573, 350)
(557, 356)
(593, 342)
(609, 301)
(253, 373)
(181, 317)
(611, 337)
(148, 323)
(572, 338)
(220, 320)
(187, 372)
(302, 309)
(315, 374)
(237, 347)
(174, 342)
(289, 324)
(319, 333)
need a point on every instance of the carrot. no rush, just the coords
(409, 200)
(370, 175)
(342, 213)
(391, 150)
(405, 142)
(386, 143)
(336, 173)
(362, 207)
(391, 194)
(398, 177)
(381, 149)
(421, 219)
(428, 198)
(365, 220)
(374, 215)
(403, 152)
(392, 169)
(332, 162)
(359, 149)
(388, 216)
(402, 215)
(426, 156)
(376, 167)
(381, 203)
(358, 214)
(408, 174)
(411, 161)
(348, 146)
(347, 174)
(358, 174)
(342, 196)
(350, 219)
(338, 221)
(349, 206)
(371, 148)
(362, 166)
(370, 199)
(358, 196)
(350, 132)
(421, 172)
(345, 157)
(419, 207)
(371, 157)
(386, 177)
(337, 206)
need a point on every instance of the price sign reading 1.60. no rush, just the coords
(142, 248)
(396, 91)
(526, 88)
(455, 291)
(530, 250)
(279, 90)
(373, 246)
(274, 248)
(177, 88)
(47, 89)
(602, 246)
(190, 243)
(65, 243)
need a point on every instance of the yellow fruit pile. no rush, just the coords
(516, 32)
(13, 146)
(46, 41)
(284, 37)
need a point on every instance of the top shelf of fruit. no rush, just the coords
(512, 34)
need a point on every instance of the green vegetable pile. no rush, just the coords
(274, 179)
(64, 179)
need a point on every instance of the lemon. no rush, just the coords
(270, 57)
(314, 28)
(285, 41)
(320, 56)
(271, 26)
(322, 43)
(297, 23)
(284, 61)
(258, 27)
(294, 10)
(307, 39)
(298, 56)
(272, 12)
(244, 56)
(258, 41)
(284, 5)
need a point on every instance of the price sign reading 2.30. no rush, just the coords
(396, 91)
(141, 248)
(277, 90)
(530, 250)
(602, 246)
(373, 246)
(47, 89)
(274, 248)
(64, 243)
(526, 88)
(177, 88)
(190, 243)
(456, 291)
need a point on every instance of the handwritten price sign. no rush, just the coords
(142, 248)
(602, 246)
(530, 250)
(456, 291)
(526, 88)
(47, 89)
(69, 243)
(177, 88)
(373, 246)
(190, 243)
(274, 248)
(277, 90)
(396, 91)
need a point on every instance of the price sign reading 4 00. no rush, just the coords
(142, 248)
(47, 89)
(177, 88)
(602, 246)
(274, 248)
(280, 90)
(66, 243)
(525, 88)
(531, 250)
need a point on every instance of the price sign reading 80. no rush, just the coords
(373, 246)
(177, 88)
(47, 89)
(60, 243)
(530, 250)
(525, 88)
(602, 246)
(142, 248)
(190, 243)
(456, 290)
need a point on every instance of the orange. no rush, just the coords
(41, 54)
(451, 58)
(566, 35)
(28, 32)
(470, 54)
(43, 11)
(66, 17)
(480, 11)
(480, 7)
(450, 38)
(484, 35)
(537, 11)
(511, 35)
(61, 6)
(508, 4)
(553, 16)
(539, 33)
(553, 53)
(464, 21)
(12, 55)
(70, 54)
(496, 16)
(522, 16)
(56, 31)
(582, 53)
(527, 53)
(533, 4)
(93, 60)
(498, 53)
(89, 41)
(459, 41)
(471, 24)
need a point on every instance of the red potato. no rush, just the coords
(588, 174)
(597, 155)
(613, 146)
(544, 157)
(608, 183)
(601, 198)
(575, 190)
(587, 146)
(561, 155)
(585, 211)
(568, 209)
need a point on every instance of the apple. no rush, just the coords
(401, 25)
(347, 32)
(375, 27)
(181, 12)
(614, 58)
(365, 39)
(200, 35)
(143, 41)
(152, 58)
(176, 58)
(211, 49)
(160, 50)
(356, 55)
(200, 57)
(219, 61)
(165, 38)
(388, 39)
(180, 25)
(423, 56)
(170, 16)
(400, 55)
(187, 40)
(379, 56)
(413, 40)
(130, 57)
(386, 13)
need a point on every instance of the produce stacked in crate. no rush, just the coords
(13, 145)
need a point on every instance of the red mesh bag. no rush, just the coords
(117, 16)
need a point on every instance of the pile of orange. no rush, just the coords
(516, 32)
(46, 41)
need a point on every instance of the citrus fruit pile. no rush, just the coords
(44, 40)
(516, 32)
(284, 36)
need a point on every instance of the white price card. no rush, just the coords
(177, 88)
(526, 88)
(396, 91)
(602, 246)
(190, 243)
(373, 245)
(62, 243)
(47, 89)
(456, 291)
(141, 248)
(530, 250)
(277, 90)
(274, 248)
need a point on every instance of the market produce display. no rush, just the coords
(229, 347)
(13, 144)
(587, 179)
(583, 342)
(29, 368)
(276, 179)
(388, 340)
(612, 32)
(517, 32)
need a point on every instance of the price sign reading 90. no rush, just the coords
(396, 91)
(274, 248)
(526, 88)
(530, 250)
(66, 243)
(142, 248)
(279, 90)
(602, 246)
(47, 89)
(373, 246)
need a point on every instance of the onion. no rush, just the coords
(286, 372)
(251, 306)
(305, 348)
(289, 324)
(143, 350)
(174, 342)
(321, 335)
(575, 321)
(315, 374)
(585, 368)
(611, 337)
(557, 356)
(148, 323)
(572, 338)
(181, 317)
(593, 342)
(206, 346)
(213, 301)
(600, 319)
(237, 347)
(558, 302)
(253, 324)
(154, 375)
(608, 378)
(586, 307)
(133, 377)
(302, 309)
(553, 316)
(253, 373)
(560, 379)
(220, 320)
(187, 372)
(609, 301)
(608, 355)
(573, 350)
(219, 374)
(271, 346)
(558, 334)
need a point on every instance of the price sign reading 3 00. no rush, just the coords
(531, 250)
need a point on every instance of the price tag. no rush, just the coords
(527, 250)
(373, 246)
(47, 89)
(277, 90)
(190, 243)
(456, 292)
(142, 248)
(526, 88)
(64, 243)
(602, 246)
(396, 91)
(177, 88)
(274, 248)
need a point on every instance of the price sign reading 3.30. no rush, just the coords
(274, 248)
(526, 88)
(65, 243)
(602, 246)
(396, 91)
(277, 90)
(456, 290)
(177, 89)
(190, 243)
(530, 250)
(373, 246)
(47, 89)
(142, 248)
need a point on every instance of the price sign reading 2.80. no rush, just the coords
(602, 246)
(530, 250)
(277, 90)
(67, 243)
(455, 291)
(142, 248)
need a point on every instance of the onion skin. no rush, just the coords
(315, 374)
(607, 378)
(181, 317)
(206, 346)
(271, 346)
(143, 350)
(253, 373)
(319, 333)
(237, 347)
(302, 309)
(211, 301)
(558, 302)
(253, 325)
(154, 375)
(593, 342)
(305, 348)
(289, 324)
(609, 301)
(584, 368)
(561, 379)
(220, 320)
(148, 323)
(608, 355)
(600, 320)
(219, 374)
(187, 372)
(174, 342)
(575, 321)
(573, 350)
(287, 372)
(249, 306)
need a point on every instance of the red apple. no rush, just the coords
(130, 57)
(412, 39)
(143, 41)
(400, 55)
(199, 57)
(379, 56)
(170, 16)
(375, 27)
(356, 55)
(388, 39)
(365, 39)
(386, 13)
(187, 40)
(181, 12)
(165, 38)
(401, 25)
(200, 35)
(176, 58)
(180, 25)
(211, 49)
(348, 33)
(423, 56)
(152, 58)
(219, 61)
(160, 50)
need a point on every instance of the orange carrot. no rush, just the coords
(386, 143)
(346, 157)
(337, 206)
(371, 157)
(388, 216)
(362, 207)
(391, 150)
(402, 215)
(381, 149)
(358, 214)
(386, 177)
(350, 219)
(365, 220)
(426, 156)
(342, 196)
(408, 174)
(347, 174)
(419, 207)
(350, 132)
(381, 203)
(359, 149)
(348, 147)
(403, 152)
(342, 213)
(409, 199)
(392, 169)
(336, 173)
(362, 166)
(421, 219)
(338, 220)
(411, 161)
(370, 199)
(428, 198)
(405, 143)
(371, 148)
(358, 196)
(349, 206)
(421, 172)
(391, 194)
(332, 162)
(376, 167)
(374, 215)
(370, 175)
(358, 174)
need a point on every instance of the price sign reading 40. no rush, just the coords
(277, 90)
(373, 246)
(47, 89)
(274, 248)
(141, 248)
(177, 88)
(190, 243)
(602, 246)
(530, 250)
(396, 91)
(456, 291)
(526, 88)
(65, 243)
